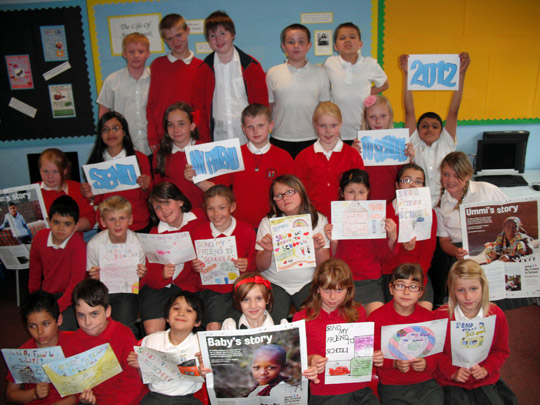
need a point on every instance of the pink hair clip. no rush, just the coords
(369, 101)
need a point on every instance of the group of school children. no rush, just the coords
(277, 116)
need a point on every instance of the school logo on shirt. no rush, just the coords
(270, 173)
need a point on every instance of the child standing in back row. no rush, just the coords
(172, 75)
(319, 167)
(353, 77)
(227, 81)
(295, 88)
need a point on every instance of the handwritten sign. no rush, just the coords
(215, 158)
(114, 175)
(118, 263)
(406, 342)
(358, 219)
(384, 147)
(84, 370)
(159, 367)
(146, 24)
(25, 364)
(292, 242)
(471, 340)
(433, 72)
(218, 254)
(415, 214)
(349, 349)
(167, 248)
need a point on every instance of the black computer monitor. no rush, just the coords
(501, 153)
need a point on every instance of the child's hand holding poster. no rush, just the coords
(406, 342)
(158, 367)
(215, 158)
(167, 248)
(358, 219)
(415, 214)
(217, 255)
(292, 241)
(471, 340)
(114, 175)
(25, 364)
(84, 370)
(384, 147)
(118, 263)
(433, 72)
(349, 349)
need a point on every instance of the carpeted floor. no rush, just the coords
(521, 371)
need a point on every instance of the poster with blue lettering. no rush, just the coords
(384, 147)
(414, 213)
(471, 340)
(409, 341)
(217, 254)
(84, 370)
(433, 72)
(25, 364)
(215, 158)
(349, 349)
(114, 175)
(358, 219)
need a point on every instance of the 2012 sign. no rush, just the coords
(433, 72)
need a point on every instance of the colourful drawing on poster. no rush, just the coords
(292, 243)
(25, 364)
(53, 39)
(166, 248)
(19, 72)
(62, 101)
(358, 219)
(217, 255)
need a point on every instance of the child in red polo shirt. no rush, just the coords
(220, 205)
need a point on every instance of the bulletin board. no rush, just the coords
(36, 42)
(502, 37)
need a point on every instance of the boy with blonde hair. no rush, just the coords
(116, 217)
(172, 75)
(353, 77)
(227, 81)
(126, 90)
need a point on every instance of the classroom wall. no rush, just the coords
(13, 167)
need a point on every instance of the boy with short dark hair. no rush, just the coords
(17, 225)
(172, 75)
(227, 81)
(263, 162)
(353, 77)
(126, 90)
(58, 257)
(91, 302)
(42, 318)
(116, 217)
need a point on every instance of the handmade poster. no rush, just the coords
(25, 364)
(217, 255)
(433, 72)
(62, 101)
(292, 241)
(215, 158)
(349, 349)
(384, 147)
(19, 72)
(471, 340)
(507, 233)
(406, 342)
(167, 248)
(414, 213)
(84, 370)
(22, 215)
(358, 219)
(114, 175)
(157, 367)
(146, 24)
(53, 39)
(15, 257)
(239, 360)
(118, 263)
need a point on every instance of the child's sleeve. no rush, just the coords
(153, 112)
(144, 166)
(250, 251)
(200, 102)
(426, 248)
(92, 253)
(499, 348)
(78, 270)
(257, 91)
(378, 76)
(36, 267)
(106, 95)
